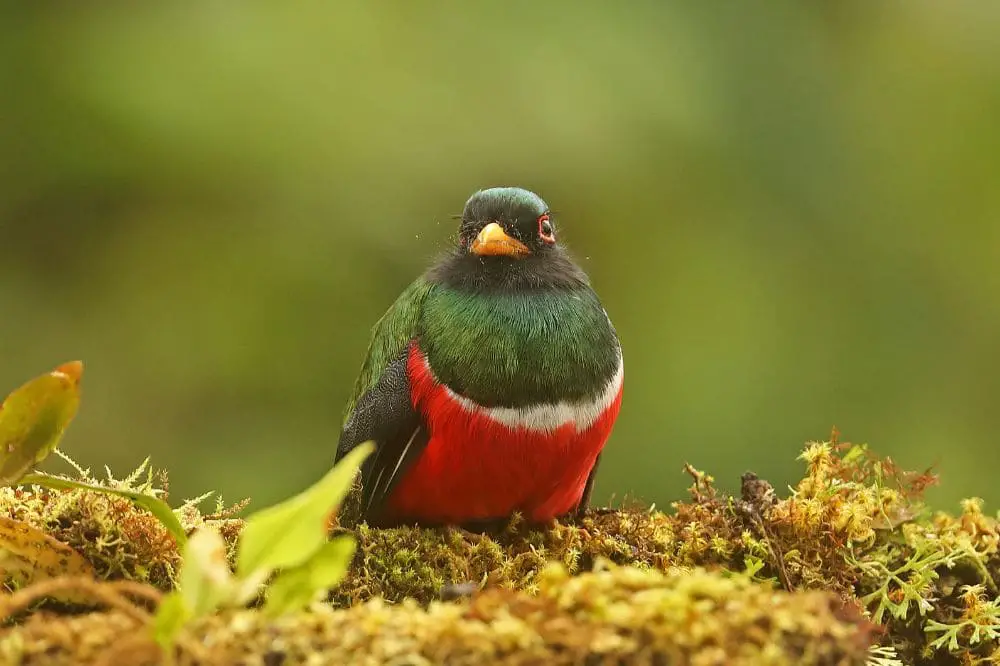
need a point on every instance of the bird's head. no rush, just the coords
(507, 242)
(506, 222)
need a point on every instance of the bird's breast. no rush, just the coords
(540, 356)
(542, 417)
(487, 462)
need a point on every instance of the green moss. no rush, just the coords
(852, 532)
(411, 562)
(611, 616)
(854, 525)
(121, 540)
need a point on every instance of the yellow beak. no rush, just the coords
(493, 241)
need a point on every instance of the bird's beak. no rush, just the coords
(493, 241)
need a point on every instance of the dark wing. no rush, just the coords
(588, 490)
(386, 416)
(380, 409)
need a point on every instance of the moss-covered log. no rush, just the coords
(611, 616)
(852, 534)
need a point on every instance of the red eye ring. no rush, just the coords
(545, 230)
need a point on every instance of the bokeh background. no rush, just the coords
(791, 211)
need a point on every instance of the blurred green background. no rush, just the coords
(791, 211)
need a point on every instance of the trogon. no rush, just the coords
(492, 383)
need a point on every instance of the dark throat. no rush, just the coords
(470, 273)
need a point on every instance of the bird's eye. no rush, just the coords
(545, 230)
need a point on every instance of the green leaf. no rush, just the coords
(34, 417)
(752, 565)
(204, 581)
(295, 588)
(154, 505)
(856, 452)
(288, 534)
(171, 616)
(204, 584)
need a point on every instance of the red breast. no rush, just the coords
(477, 466)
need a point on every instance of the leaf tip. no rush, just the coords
(72, 369)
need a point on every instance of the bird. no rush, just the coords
(492, 384)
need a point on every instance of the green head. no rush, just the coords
(507, 242)
(511, 320)
(506, 222)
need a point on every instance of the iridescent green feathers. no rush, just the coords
(390, 336)
(500, 349)
(501, 328)
(519, 348)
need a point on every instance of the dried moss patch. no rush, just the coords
(612, 616)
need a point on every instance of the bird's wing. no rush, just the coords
(380, 407)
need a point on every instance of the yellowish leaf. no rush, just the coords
(205, 581)
(34, 417)
(204, 584)
(28, 555)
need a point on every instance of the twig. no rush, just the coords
(110, 594)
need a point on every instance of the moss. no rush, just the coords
(807, 540)
(417, 563)
(612, 616)
(120, 540)
(852, 532)
(854, 525)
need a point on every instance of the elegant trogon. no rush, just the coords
(492, 383)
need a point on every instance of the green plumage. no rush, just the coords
(510, 349)
(519, 348)
(390, 335)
